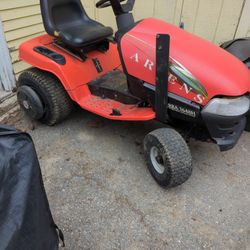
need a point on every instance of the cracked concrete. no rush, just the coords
(103, 197)
(7, 103)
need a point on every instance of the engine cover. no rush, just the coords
(199, 70)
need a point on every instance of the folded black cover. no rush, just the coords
(26, 222)
(239, 48)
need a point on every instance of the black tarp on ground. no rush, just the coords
(25, 218)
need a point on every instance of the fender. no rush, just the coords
(74, 74)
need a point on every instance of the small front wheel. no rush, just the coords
(168, 157)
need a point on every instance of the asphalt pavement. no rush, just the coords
(103, 197)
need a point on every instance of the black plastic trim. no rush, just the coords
(178, 107)
(162, 69)
(112, 94)
(225, 130)
(54, 56)
(98, 65)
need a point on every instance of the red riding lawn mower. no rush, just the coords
(150, 70)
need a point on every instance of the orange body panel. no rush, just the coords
(103, 107)
(75, 76)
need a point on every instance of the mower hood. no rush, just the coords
(209, 70)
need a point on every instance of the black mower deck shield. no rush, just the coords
(25, 218)
(162, 69)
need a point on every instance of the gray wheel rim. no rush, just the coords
(155, 154)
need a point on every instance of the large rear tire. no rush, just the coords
(42, 96)
(168, 157)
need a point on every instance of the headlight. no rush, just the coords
(228, 106)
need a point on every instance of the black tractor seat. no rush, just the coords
(67, 20)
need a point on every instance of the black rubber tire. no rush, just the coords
(175, 155)
(30, 102)
(248, 124)
(57, 103)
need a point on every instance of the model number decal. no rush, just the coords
(182, 110)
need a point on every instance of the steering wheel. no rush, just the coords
(105, 3)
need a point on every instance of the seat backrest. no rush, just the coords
(60, 13)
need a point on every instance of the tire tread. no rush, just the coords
(60, 103)
(177, 153)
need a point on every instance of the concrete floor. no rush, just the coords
(103, 197)
(3, 95)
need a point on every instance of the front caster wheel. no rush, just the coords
(168, 157)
